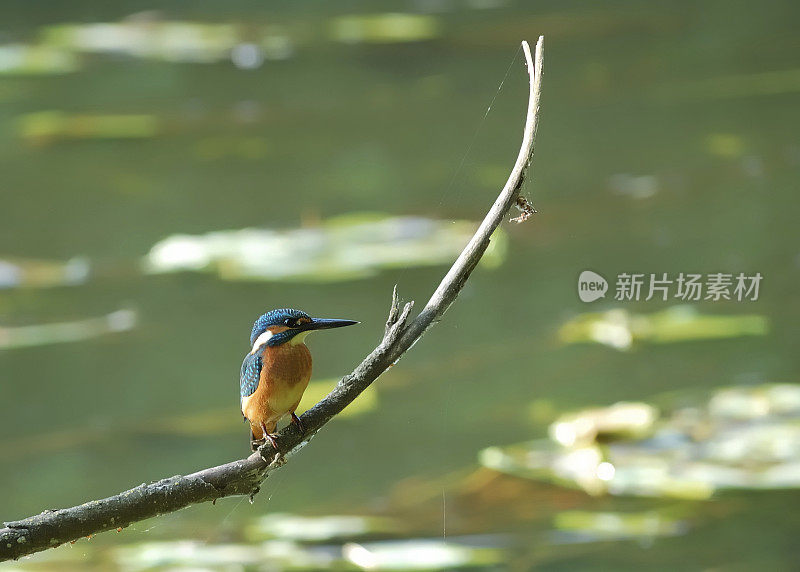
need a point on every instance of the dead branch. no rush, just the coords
(244, 477)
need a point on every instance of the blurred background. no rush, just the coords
(170, 172)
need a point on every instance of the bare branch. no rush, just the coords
(244, 477)
(393, 310)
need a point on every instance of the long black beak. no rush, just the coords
(326, 324)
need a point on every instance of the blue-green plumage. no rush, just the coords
(250, 374)
(280, 317)
(283, 369)
(251, 366)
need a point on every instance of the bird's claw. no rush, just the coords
(269, 437)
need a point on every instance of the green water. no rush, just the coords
(676, 91)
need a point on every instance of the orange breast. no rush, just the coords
(285, 373)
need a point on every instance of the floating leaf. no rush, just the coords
(19, 273)
(149, 555)
(633, 420)
(44, 127)
(420, 554)
(741, 437)
(343, 248)
(176, 41)
(725, 145)
(61, 332)
(620, 329)
(384, 28)
(22, 59)
(579, 526)
(319, 528)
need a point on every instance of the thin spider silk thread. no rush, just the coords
(474, 138)
(215, 534)
(446, 191)
(478, 129)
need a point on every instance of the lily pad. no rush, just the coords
(61, 332)
(344, 248)
(319, 528)
(35, 273)
(420, 554)
(621, 329)
(581, 526)
(44, 127)
(736, 438)
(387, 28)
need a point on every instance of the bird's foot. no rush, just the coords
(296, 421)
(269, 437)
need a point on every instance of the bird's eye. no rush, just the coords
(290, 322)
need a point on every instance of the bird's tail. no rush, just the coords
(253, 442)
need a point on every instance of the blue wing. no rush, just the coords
(250, 374)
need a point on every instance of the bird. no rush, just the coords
(277, 369)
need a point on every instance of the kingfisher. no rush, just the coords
(276, 371)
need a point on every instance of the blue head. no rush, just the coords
(280, 326)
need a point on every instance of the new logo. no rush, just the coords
(591, 286)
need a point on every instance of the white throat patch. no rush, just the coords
(261, 340)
